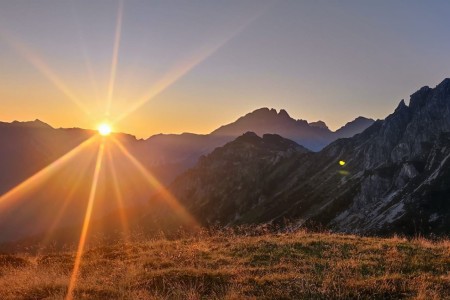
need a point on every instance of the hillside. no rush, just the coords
(394, 177)
(226, 265)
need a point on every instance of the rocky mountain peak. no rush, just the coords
(283, 114)
(263, 112)
(445, 84)
(319, 124)
(419, 98)
(356, 126)
(401, 106)
(248, 137)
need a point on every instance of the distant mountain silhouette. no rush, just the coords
(313, 136)
(319, 124)
(28, 147)
(395, 176)
(356, 126)
(182, 151)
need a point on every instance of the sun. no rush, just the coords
(104, 129)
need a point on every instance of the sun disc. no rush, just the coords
(104, 129)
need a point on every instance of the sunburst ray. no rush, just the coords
(119, 195)
(87, 60)
(86, 223)
(39, 177)
(39, 64)
(185, 67)
(81, 172)
(160, 188)
(115, 57)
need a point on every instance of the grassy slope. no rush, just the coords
(224, 265)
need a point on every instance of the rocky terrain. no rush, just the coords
(393, 177)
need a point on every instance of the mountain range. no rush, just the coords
(394, 177)
(391, 176)
(59, 195)
(183, 150)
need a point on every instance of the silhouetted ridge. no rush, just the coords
(313, 136)
(27, 124)
(319, 124)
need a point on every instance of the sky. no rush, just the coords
(191, 66)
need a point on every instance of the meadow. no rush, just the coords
(237, 265)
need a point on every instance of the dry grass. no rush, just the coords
(224, 265)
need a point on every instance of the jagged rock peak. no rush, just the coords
(249, 136)
(319, 124)
(401, 106)
(444, 84)
(283, 113)
(419, 98)
(263, 111)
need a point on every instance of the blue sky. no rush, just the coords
(327, 60)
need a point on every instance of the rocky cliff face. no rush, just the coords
(393, 177)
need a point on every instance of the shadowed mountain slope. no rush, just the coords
(395, 178)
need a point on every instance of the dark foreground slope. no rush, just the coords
(223, 265)
(396, 177)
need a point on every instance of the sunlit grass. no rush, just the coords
(221, 264)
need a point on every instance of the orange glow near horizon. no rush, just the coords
(118, 112)
(164, 82)
(86, 223)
